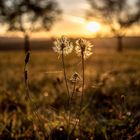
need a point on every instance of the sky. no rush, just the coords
(73, 22)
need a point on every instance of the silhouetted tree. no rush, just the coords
(28, 16)
(118, 14)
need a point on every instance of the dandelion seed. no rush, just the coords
(83, 47)
(63, 45)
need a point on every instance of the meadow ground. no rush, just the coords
(111, 105)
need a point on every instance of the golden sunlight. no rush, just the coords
(93, 26)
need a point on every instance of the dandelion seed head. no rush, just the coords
(63, 45)
(75, 78)
(83, 47)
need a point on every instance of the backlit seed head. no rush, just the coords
(75, 78)
(63, 45)
(83, 47)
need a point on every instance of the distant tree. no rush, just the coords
(118, 14)
(28, 16)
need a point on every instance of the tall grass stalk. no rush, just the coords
(28, 97)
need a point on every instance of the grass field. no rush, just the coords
(111, 105)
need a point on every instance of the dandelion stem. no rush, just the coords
(70, 100)
(83, 83)
(65, 76)
(82, 93)
(74, 86)
(68, 93)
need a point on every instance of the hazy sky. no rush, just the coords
(73, 20)
(70, 24)
(74, 7)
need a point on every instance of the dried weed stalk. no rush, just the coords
(28, 97)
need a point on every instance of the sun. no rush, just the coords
(93, 26)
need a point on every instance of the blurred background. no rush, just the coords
(112, 23)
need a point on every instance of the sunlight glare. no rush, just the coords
(93, 26)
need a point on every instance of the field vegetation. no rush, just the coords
(110, 107)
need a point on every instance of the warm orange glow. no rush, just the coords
(93, 26)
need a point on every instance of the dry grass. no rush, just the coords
(109, 75)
